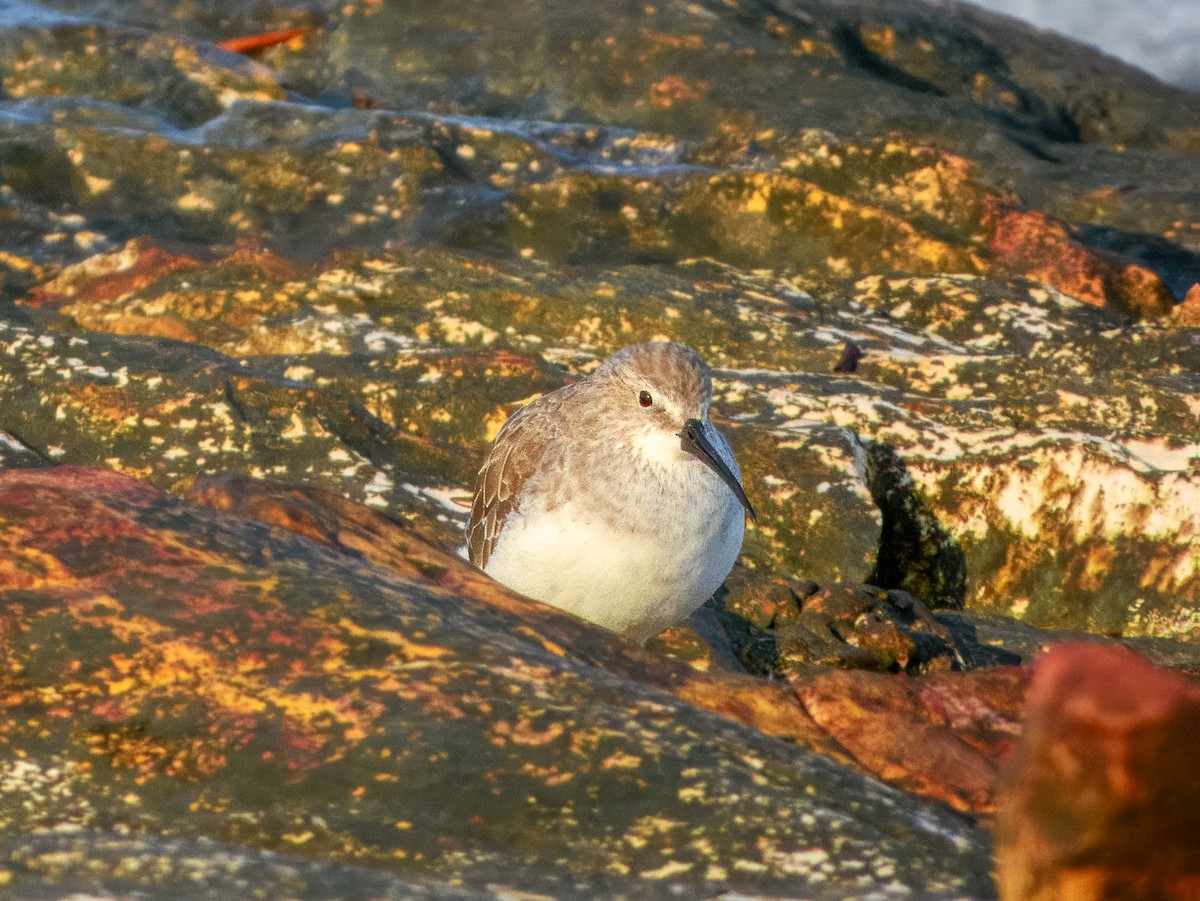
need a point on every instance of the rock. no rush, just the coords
(1043, 249)
(893, 629)
(848, 361)
(1102, 799)
(292, 695)
(983, 640)
(941, 735)
(776, 627)
(342, 265)
(104, 865)
(1187, 313)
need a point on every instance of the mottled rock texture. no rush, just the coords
(340, 265)
(187, 672)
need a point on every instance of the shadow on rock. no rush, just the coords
(916, 553)
(1176, 265)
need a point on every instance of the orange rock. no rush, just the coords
(1102, 800)
(256, 43)
(1187, 314)
(107, 276)
(1033, 245)
(673, 89)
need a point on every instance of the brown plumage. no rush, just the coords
(614, 497)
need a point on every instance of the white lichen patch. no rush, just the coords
(453, 499)
(298, 428)
(1084, 483)
(1164, 455)
(457, 330)
(381, 341)
(1045, 295)
(193, 202)
(40, 792)
(667, 870)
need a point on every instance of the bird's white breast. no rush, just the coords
(675, 538)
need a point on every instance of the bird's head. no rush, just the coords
(669, 388)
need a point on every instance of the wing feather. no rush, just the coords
(513, 459)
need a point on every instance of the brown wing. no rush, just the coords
(514, 457)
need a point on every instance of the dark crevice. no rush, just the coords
(916, 552)
(442, 143)
(239, 409)
(848, 41)
(1026, 143)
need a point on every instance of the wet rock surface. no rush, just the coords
(174, 670)
(304, 291)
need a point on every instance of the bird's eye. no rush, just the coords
(645, 399)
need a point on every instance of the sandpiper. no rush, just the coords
(615, 497)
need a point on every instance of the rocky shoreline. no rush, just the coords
(261, 317)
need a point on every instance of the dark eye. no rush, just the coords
(645, 399)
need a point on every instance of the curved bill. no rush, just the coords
(696, 441)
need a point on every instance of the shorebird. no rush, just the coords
(614, 498)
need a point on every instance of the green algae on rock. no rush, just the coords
(297, 698)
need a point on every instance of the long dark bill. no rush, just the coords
(695, 441)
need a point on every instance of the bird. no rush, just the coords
(615, 497)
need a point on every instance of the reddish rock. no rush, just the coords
(1102, 799)
(939, 736)
(254, 44)
(104, 277)
(356, 531)
(1034, 245)
(942, 736)
(407, 715)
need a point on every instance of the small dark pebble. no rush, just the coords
(848, 362)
